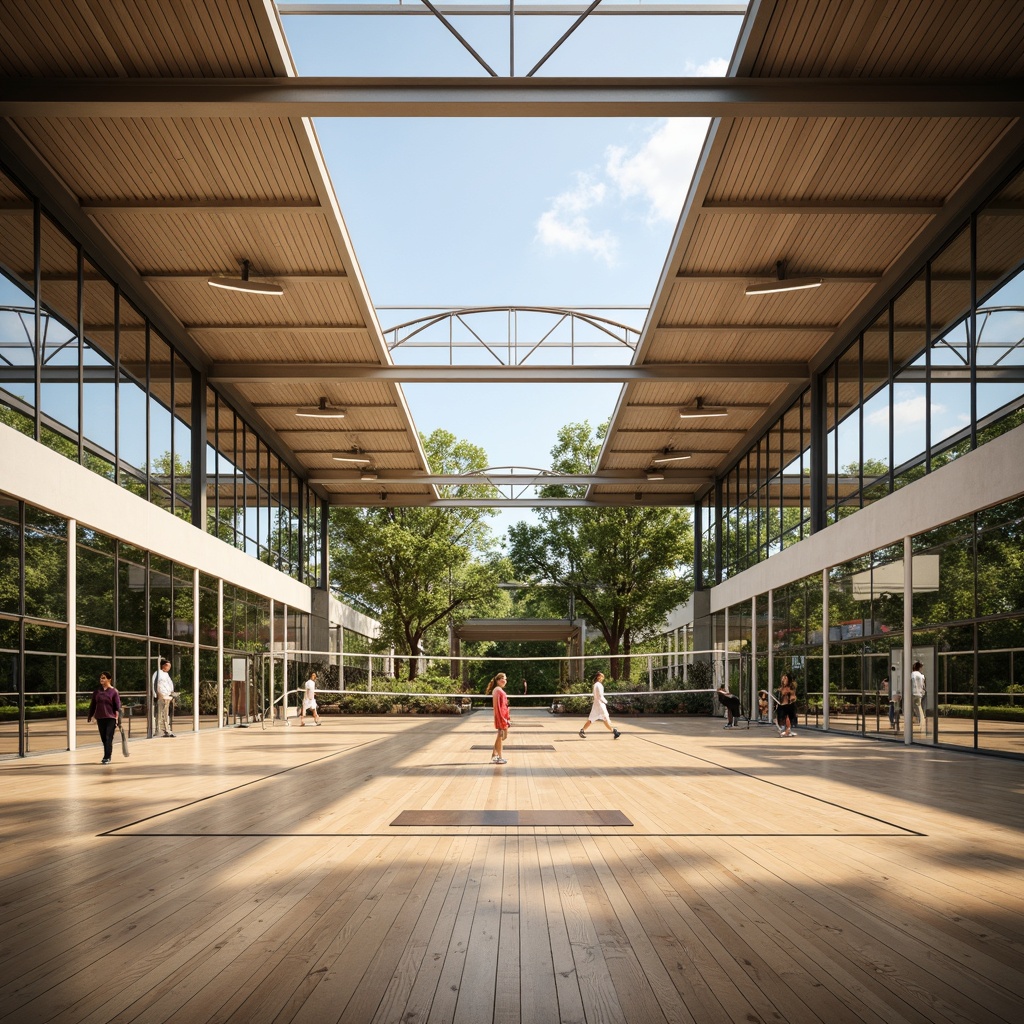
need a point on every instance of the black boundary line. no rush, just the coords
(906, 833)
(224, 792)
(787, 789)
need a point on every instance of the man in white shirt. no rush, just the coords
(163, 690)
(917, 690)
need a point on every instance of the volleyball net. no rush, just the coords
(665, 682)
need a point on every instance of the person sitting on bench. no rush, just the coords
(731, 703)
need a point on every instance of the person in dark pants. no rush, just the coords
(106, 709)
(787, 706)
(731, 703)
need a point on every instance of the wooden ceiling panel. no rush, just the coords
(366, 397)
(895, 159)
(814, 173)
(170, 194)
(892, 38)
(301, 346)
(124, 38)
(174, 159)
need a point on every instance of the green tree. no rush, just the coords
(625, 567)
(415, 569)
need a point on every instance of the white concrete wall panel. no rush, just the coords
(33, 473)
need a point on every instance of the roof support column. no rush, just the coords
(303, 493)
(325, 545)
(198, 454)
(718, 530)
(698, 546)
(818, 455)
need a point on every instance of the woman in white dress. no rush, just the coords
(599, 710)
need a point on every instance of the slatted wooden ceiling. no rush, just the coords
(739, 218)
(184, 199)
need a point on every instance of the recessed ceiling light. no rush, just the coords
(322, 411)
(243, 284)
(782, 283)
(699, 410)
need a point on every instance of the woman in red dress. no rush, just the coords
(502, 718)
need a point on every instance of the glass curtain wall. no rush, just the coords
(939, 371)
(84, 372)
(133, 608)
(765, 498)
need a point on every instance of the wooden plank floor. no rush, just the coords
(254, 875)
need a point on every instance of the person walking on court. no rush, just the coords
(163, 690)
(917, 689)
(731, 703)
(599, 709)
(787, 706)
(502, 717)
(106, 709)
(309, 701)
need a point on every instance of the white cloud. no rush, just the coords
(660, 171)
(906, 412)
(657, 173)
(913, 411)
(566, 224)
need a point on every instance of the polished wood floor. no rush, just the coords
(254, 875)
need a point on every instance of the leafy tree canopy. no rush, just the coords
(415, 569)
(625, 567)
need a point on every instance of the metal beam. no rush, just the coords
(747, 328)
(681, 373)
(259, 328)
(404, 478)
(639, 498)
(908, 207)
(196, 205)
(283, 275)
(510, 97)
(520, 10)
(855, 277)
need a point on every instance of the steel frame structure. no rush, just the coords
(514, 350)
(442, 12)
(510, 97)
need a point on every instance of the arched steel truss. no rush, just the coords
(556, 328)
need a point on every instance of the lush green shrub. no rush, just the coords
(9, 712)
(354, 702)
(991, 714)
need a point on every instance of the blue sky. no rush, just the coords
(465, 212)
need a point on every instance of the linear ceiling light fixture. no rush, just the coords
(668, 455)
(699, 410)
(782, 283)
(655, 474)
(356, 455)
(324, 411)
(368, 474)
(243, 284)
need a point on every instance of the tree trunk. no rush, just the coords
(614, 664)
